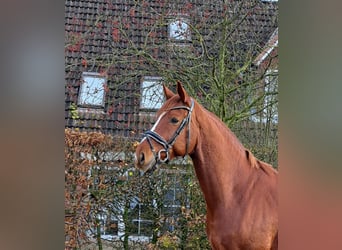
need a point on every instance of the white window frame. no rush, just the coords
(179, 29)
(92, 90)
(152, 94)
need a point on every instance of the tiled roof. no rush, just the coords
(94, 43)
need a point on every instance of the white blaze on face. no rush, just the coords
(155, 125)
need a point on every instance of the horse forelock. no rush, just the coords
(172, 102)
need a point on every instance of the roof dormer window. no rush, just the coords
(152, 95)
(92, 90)
(179, 30)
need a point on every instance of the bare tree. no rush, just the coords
(211, 48)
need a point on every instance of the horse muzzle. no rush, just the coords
(144, 158)
(147, 160)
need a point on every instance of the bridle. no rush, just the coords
(167, 145)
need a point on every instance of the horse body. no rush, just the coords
(240, 191)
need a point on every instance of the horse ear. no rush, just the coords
(182, 93)
(167, 92)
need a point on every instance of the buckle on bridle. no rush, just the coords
(166, 158)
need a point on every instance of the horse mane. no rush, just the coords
(224, 127)
(253, 162)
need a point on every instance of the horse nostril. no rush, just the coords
(142, 158)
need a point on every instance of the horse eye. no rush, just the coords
(174, 120)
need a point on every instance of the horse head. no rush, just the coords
(172, 135)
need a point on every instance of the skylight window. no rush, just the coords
(92, 90)
(179, 30)
(152, 95)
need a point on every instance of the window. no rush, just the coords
(92, 90)
(138, 217)
(141, 216)
(108, 224)
(270, 109)
(270, 101)
(174, 198)
(179, 30)
(152, 95)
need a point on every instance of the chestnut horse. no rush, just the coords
(240, 191)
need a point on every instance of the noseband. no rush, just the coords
(167, 145)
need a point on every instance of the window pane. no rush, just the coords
(268, 111)
(170, 211)
(179, 30)
(271, 89)
(152, 95)
(142, 227)
(92, 90)
(140, 216)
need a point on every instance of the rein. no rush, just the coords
(167, 145)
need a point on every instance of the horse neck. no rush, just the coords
(217, 159)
